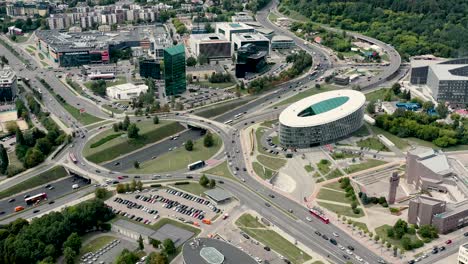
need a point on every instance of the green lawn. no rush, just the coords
(221, 170)
(324, 168)
(272, 17)
(261, 171)
(329, 195)
(216, 85)
(149, 133)
(341, 209)
(14, 161)
(31, 47)
(308, 168)
(378, 95)
(192, 187)
(361, 132)
(165, 221)
(112, 109)
(21, 39)
(270, 123)
(372, 143)
(96, 244)
(361, 225)
(334, 174)
(275, 140)
(364, 166)
(248, 221)
(334, 186)
(179, 158)
(399, 142)
(306, 93)
(83, 118)
(343, 155)
(41, 56)
(43, 178)
(272, 163)
(44, 64)
(382, 232)
(221, 108)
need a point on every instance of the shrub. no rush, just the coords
(182, 183)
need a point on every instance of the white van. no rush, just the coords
(75, 186)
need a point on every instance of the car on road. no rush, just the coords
(36, 211)
(27, 196)
(11, 200)
(271, 195)
(346, 257)
(325, 237)
(117, 164)
(318, 233)
(333, 241)
(335, 234)
(309, 219)
(220, 181)
(466, 234)
(351, 248)
(267, 205)
(47, 186)
(442, 248)
(52, 202)
(448, 242)
(266, 248)
(359, 258)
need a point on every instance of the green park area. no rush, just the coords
(220, 108)
(261, 233)
(372, 143)
(95, 244)
(334, 174)
(338, 196)
(43, 178)
(192, 187)
(115, 147)
(341, 209)
(269, 123)
(83, 118)
(220, 170)
(261, 171)
(272, 17)
(364, 165)
(399, 142)
(271, 163)
(179, 158)
(309, 168)
(324, 166)
(306, 93)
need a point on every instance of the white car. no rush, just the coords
(335, 234)
(341, 247)
(309, 219)
(349, 252)
(359, 258)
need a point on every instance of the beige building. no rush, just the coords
(126, 91)
(463, 254)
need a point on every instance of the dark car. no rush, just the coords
(189, 177)
(333, 241)
(346, 257)
(51, 202)
(318, 233)
(47, 186)
(466, 234)
(36, 211)
(2, 212)
(442, 248)
(350, 247)
(266, 248)
(27, 196)
(246, 236)
(267, 205)
(221, 182)
(11, 200)
(271, 195)
(325, 237)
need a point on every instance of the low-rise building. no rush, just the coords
(229, 28)
(203, 72)
(341, 80)
(8, 84)
(212, 46)
(125, 91)
(249, 59)
(241, 17)
(240, 39)
(282, 42)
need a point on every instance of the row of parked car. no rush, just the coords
(133, 205)
(195, 199)
(174, 205)
(91, 257)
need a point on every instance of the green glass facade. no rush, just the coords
(174, 70)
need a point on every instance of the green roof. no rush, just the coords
(175, 49)
(324, 106)
(235, 25)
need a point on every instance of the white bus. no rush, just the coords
(238, 116)
(196, 165)
(228, 122)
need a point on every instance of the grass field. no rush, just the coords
(272, 239)
(179, 158)
(275, 140)
(192, 187)
(341, 209)
(21, 39)
(149, 133)
(334, 186)
(334, 174)
(272, 163)
(399, 143)
(41, 56)
(31, 47)
(308, 168)
(221, 170)
(44, 64)
(361, 225)
(216, 85)
(364, 166)
(323, 167)
(96, 244)
(272, 17)
(361, 132)
(329, 195)
(306, 93)
(221, 108)
(14, 161)
(83, 118)
(379, 95)
(43, 178)
(269, 123)
(372, 143)
(261, 171)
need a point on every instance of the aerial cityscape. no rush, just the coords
(233, 131)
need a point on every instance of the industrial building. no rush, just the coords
(174, 70)
(150, 68)
(228, 28)
(125, 91)
(212, 46)
(282, 42)
(213, 251)
(321, 119)
(8, 84)
(261, 42)
(249, 60)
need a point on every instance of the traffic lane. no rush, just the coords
(61, 188)
(46, 207)
(450, 249)
(156, 150)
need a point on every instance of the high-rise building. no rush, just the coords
(150, 68)
(394, 181)
(174, 70)
(8, 84)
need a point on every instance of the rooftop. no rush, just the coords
(175, 49)
(233, 26)
(218, 194)
(249, 37)
(450, 72)
(281, 38)
(7, 73)
(322, 108)
(210, 37)
(435, 161)
(211, 255)
(126, 87)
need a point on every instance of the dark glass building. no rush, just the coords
(249, 60)
(150, 68)
(174, 70)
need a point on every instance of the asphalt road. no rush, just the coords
(61, 188)
(155, 150)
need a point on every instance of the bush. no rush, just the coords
(155, 185)
(417, 243)
(182, 183)
(356, 211)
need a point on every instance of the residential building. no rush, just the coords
(228, 28)
(8, 84)
(125, 91)
(21, 8)
(212, 46)
(463, 254)
(282, 42)
(150, 68)
(240, 39)
(174, 70)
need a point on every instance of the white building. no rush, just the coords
(282, 42)
(228, 28)
(463, 254)
(242, 17)
(126, 91)
(261, 42)
(8, 84)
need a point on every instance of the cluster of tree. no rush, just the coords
(148, 102)
(28, 25)
(428, 232)
(191, 61)
(99, 87)
(47, 237)
(131, 128)
(188, 145)
(256, 5)
(119, 54)
(413, 27)
(129, 187)
(207, 183)
(423, 126)
(374, 200)
(345, 184)
(301, 61)
(179, 26)
(401, 231)
(101, 193)
(220, 77)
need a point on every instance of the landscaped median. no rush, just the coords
(270, 238)
(108, 147)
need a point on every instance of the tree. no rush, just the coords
(74, 242)
(396, 88)
(353, 205)
(388, 245)
(126, 123)
(317, 86)
(139, 185)
(203, 180)
(3, 160)
(189, 145)
(69, 255)
(202, 59)
(208, 140)
(157, 258)
(376, 238)
(155, 243)
(428, 231)
(169, 246)
(133, 131)
(19, 137)
(191, 61)
(100, 193)
(442, 110)
(33, 157)
(120, 188)
(11, 127)
(115, 127)
(44, 145)
(136, 164)
(390, 232)
(211, 183)
(127, 257)
(406, 242)
(132, 186)
(371, 107)
(428, 105)
(209, 28)
(141, 246)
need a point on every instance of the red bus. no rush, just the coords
(319, 215)
(36, 198)
(73, 158)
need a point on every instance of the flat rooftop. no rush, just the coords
(281, 38)
(249, 37)
(210, 37)
(450, 72)
(233, 26)
(213, 251)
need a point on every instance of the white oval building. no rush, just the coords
(321, 119)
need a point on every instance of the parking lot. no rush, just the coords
(108, 253)
(148, 206)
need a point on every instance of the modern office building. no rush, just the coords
(213, 251)
(212, 46)
(240, 39)
(241, 17)
(8, 84)
(282, 42)
(126, 91)
(321, 119)
(150, 68)
(174, 70)
(249, 60)
(228, 28)
(463, 254)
